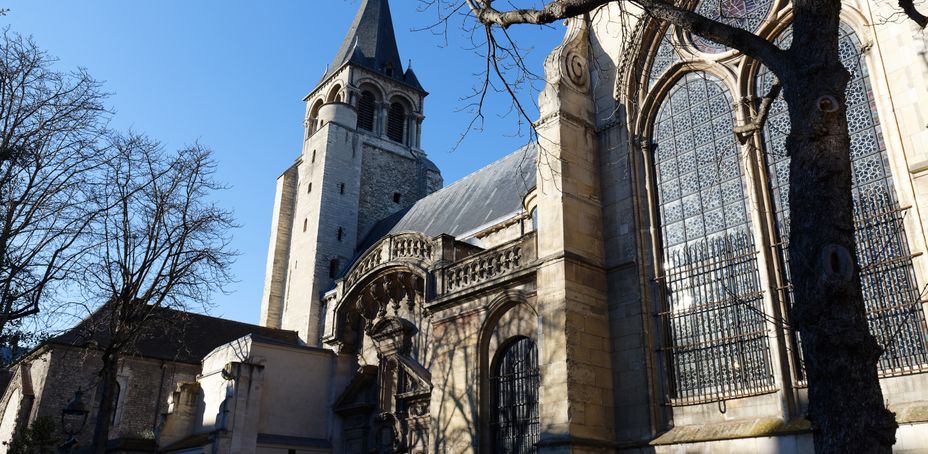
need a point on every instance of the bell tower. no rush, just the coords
(361, 162)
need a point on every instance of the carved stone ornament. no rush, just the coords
(567, 75)
(386, 434)
(569, 62)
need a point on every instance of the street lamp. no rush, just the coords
(73, 419)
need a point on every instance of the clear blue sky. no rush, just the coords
(232, 74)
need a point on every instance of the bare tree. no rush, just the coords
(159, 243)
(50, 125)
(846, 405)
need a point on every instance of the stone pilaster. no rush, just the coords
(576, 383)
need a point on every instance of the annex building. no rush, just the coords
(621, 286)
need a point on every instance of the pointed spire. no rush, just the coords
(371, 34)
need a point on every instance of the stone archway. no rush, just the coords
(386, 407)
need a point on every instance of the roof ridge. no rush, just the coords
(489, 166)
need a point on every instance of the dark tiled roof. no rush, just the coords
(371, 43)
(489, 194)
(173, 335)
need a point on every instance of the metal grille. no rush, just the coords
(395, 122)
(714, 319)
(514, 385)
(718, 340)
(891, 295)
(366, 106)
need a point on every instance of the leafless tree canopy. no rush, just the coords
(158, 242)
(50, 124)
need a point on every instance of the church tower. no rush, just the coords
(361, 162)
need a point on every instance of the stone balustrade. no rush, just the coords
(488, 265)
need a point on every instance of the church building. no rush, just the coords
(621, 285)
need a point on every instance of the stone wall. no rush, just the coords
(58, 371)
(386, 171)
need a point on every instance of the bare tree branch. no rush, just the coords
(734, 37)
(908, 6)
(159, 243)
(746, 131)
(50, 123)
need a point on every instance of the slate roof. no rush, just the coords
(371, 43)
(177, 336)
(490, 194)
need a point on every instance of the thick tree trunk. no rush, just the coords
(107, 400)
(845, 402)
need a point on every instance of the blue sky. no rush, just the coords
(232, 74)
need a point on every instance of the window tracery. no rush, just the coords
(745, 14)
(714, 304)
(664, 56)
(890, 290)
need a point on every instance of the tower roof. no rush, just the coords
(371, 43)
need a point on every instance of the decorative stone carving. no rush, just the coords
(567, 72)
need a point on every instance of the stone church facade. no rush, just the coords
(620, 286)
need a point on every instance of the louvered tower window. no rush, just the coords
(514, 382)
(366, 106)
(395, 122)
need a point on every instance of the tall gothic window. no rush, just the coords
(366, 106)
(396, 122)
(514, 382)
(714, 303)
(891, 294)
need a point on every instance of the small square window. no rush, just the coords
(396, 197)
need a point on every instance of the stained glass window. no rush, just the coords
(887, 277)
(714, 310)
(745, 14)
(515, 383)
(663, 58)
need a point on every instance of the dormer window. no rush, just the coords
(388, 70)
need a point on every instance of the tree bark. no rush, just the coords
(845, 401)
(108, 384)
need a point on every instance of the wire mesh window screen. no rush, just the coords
(514, 383)
(714, 315)
(891, 293)
(366, 106)
(395, 122)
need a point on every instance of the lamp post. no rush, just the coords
(73, 419)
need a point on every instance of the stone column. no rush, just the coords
(576, 374)
(410, 137)
(380, 123)
(418, 137)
